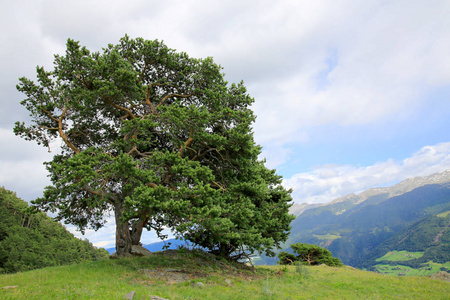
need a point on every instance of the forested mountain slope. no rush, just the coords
(34, 240)
(358, 229)
(425, 241)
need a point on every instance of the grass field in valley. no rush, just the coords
(177, 275)
(400, 256)
(427, 269)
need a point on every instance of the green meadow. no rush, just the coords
(400, 256)
(427, 269)
(196, 275)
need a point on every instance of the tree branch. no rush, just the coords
(164, 99)
(187, 143)
(63, 135)
(129, 113)
(219, 186)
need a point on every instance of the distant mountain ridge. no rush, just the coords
(404, 186)
(358, 229)
(159, 246)
(298, 208)
(398, 189)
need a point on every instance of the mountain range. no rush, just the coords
(159, 246)
(410, 221)
(398, 189)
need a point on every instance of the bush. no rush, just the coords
(302, 270)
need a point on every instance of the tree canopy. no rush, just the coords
(161, 140)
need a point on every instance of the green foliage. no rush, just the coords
(159, 138)
(33, 240)
(310, 255)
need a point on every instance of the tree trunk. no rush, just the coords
(123, 236)
(225, 250)
(136, 232)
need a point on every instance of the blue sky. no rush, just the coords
(392, 138)
(349, 95)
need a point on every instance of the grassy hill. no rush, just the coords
(183, 274)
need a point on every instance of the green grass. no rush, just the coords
(400, 256)
(444, 214)
(112, 279)
(428, 269)
(328, 236)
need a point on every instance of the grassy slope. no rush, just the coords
(112, 279)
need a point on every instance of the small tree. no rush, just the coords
(310, 254)
(160, 140)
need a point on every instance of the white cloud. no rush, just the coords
(104, 237)
(275, 156)
(21, 166)
(386, 53)
(326, 183)
(387, 57)
(105, 244)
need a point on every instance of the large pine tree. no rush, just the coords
(159, 139)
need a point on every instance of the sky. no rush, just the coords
(349, 95)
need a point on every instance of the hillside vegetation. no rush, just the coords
(30, 240)
(183, 274)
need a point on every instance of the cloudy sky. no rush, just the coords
(349, 94)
